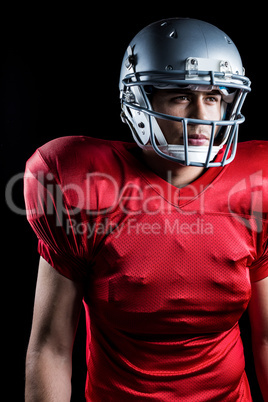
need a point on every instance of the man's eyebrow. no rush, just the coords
(187, 91)
(214, 92)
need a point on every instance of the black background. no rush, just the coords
(59, 76)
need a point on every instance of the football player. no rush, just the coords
(164, 240)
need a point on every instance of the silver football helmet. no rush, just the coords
(186, 53)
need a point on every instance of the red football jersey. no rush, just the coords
(167, 271)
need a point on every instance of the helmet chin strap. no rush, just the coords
(195, 153)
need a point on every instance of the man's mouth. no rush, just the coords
(198, 140)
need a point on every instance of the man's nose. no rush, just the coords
(197, 110)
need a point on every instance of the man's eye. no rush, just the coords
(212, 99)
(181, 98)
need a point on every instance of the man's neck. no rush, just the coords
(174, 173)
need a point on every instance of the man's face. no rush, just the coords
(189, 104)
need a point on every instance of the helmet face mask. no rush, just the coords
(157, 58)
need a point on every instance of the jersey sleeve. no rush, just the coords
(54, 221)
(259, 268)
